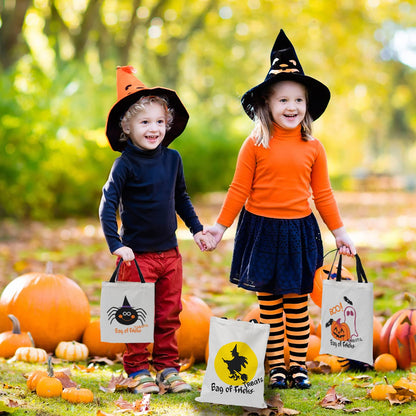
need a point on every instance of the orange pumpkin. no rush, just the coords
(77, 395)
(398, 337)
(51, 306)
(92, 339)
(10, 341)
(5, 324)
(49, 386)
(322, 274)
(377, 328)
(385, 362)
(193, 333)
(340, 331)
(34, 378)
(314, 346)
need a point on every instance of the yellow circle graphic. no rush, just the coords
(235, 363)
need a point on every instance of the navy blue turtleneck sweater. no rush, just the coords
(148, 188)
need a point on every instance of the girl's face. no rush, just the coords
(147, 128)
(287, 104)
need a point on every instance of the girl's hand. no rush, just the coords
(344, 243)
(126, 253)
(205, 242)
(216, 230)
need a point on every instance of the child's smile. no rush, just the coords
(288, 104)
(147, 128)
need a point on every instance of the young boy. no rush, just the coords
(147, 186)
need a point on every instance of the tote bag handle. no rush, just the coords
(114, 276)
(362, 278)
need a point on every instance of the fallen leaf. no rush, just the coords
(139, 407)
(332, 400)
(318, 367)
(119, 382)
(101, 413)
(102, 360)
(66, 381)
(358, 409)
(186, 363)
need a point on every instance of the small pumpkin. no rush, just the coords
(10, 341)
(34, 378)
(385, 362)
(340, 330)
(49, 386)
(31, 354)
(77, 395)
(381, 391)
(72, 351)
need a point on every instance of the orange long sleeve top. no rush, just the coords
(277, 182)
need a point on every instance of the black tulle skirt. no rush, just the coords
(277, 256)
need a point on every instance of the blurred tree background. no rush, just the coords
(58, 82)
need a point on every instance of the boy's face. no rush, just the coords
(147, 128)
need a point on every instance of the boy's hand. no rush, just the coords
(126, 253)
(205, 242)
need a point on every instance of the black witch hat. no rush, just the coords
(285, 66)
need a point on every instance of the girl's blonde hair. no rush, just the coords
(140, 106)
(263, 120)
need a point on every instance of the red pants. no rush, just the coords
(165, 270)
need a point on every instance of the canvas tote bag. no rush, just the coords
(127, 310)
(235, 369)
(347, 316)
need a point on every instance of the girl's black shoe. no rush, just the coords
(299, 378)
(278, 378)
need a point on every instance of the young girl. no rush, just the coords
(147, 186)
(278, 243)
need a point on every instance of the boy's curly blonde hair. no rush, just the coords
(140, 106)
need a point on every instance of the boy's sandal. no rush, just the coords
(172, 381)
(146, 384)
(278, 378)
(299, 378)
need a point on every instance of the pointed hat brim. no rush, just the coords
(126, 84)
(180, 116)
(285, 66)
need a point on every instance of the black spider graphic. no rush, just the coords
(126, 315)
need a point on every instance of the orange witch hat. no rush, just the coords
(129, 91)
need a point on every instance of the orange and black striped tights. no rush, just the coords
(294, 322)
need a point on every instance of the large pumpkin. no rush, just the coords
(398, 337)
(51, 307)
(194, 330)
(322, 274)
(92, 339)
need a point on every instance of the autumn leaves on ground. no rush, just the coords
(383, 226)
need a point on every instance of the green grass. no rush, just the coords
(13, 387)
(382, 226)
